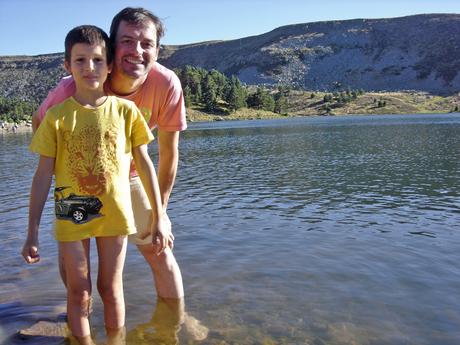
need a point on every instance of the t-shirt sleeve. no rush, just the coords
(140, 132)
(172, 113)
(44, 140)
(63, 90)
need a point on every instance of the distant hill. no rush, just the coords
(420, 52)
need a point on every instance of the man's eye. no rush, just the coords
(148, 45)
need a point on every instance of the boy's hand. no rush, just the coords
(30, 252)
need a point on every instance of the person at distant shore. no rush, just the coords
(156, 90)
(87, 142)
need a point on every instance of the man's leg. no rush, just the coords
(165, 270)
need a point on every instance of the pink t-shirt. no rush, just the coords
(160, 99)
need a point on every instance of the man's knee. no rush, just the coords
(163, 262)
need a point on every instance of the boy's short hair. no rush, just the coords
(136, 15)
(88, 34)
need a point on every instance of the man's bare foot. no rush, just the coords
(195, 328)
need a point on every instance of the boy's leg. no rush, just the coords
(75, 256)
(112, 253)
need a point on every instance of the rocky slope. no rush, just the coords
(419, 52)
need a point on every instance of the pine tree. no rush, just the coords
(187, 96)
(209, 96)
(281, 103)
(261, 99)
(236, 96)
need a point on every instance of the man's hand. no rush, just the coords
(162, 236)
(30, 252)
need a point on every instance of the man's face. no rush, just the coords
(135, 49)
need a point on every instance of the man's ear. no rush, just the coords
(67, 67)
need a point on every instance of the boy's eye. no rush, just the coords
(80, 60)
(98, 60)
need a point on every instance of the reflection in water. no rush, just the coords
(337, 230)
(168, 318)
(162, 328)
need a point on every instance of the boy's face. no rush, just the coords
(135, 49)
(88, 66)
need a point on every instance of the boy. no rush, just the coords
(87, 142)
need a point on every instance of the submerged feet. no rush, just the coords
(194, 327)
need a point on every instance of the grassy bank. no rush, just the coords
(301, 103)
(304, 103)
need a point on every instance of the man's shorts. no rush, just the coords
(141, 210)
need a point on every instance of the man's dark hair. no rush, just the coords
(136, 15)
(89, 34)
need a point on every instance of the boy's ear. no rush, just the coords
(67, 66)
(109, 67)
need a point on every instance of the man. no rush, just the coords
(135, 34)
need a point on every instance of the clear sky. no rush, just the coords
(31, 27)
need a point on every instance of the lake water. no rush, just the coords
(322, 230)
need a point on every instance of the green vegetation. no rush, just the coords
(213, 93)
(16, 110)
(210, 95)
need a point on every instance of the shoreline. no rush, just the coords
(194, 116)
(12, 128)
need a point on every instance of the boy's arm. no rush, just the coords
(168, 153)
(161, 234)
(40, 187)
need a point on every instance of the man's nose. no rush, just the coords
(138, 47)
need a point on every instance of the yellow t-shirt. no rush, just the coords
(92, 151)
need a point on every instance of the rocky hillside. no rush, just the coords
(30, 77)
(419, 52)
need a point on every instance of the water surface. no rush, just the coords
(326, 230)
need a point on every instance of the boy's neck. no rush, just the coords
(90, 99)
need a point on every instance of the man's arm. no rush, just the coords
(35, 121)
(168, 153)
(160, 232)
(63, 90)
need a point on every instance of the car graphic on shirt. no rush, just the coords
(76, 208)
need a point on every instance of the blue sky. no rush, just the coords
(31, 27)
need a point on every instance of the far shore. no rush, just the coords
(196, 116)
(7, 127)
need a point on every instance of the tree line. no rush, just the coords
(213, 91)
(16, 110)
